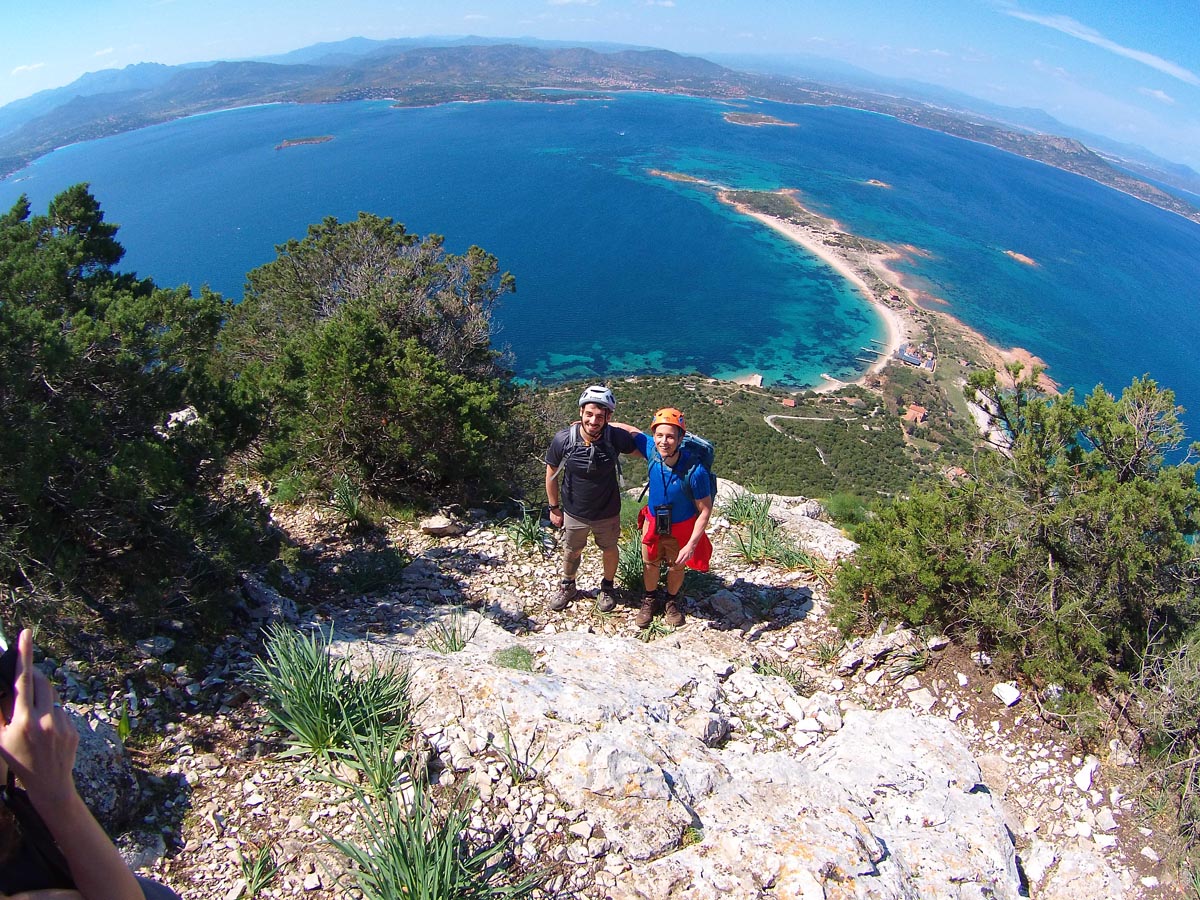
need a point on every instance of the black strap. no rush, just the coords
(686, 478)
(39, 864)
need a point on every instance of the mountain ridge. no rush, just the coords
(91, 108)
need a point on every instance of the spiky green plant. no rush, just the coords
(827, 651)
(408, 850)
(528, 532)
(654, 630)
(259, 870)
(319, 701)
(629, 560)
(797, 678)
(346, 500)
(744, 507)
(451, 633)
(521, 764)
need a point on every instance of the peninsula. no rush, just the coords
(908, 315)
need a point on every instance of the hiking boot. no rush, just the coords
(647, 610)
(606, 600)
(673, 615)
(566, 593)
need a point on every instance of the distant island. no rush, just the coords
(298, 142)
(148, 94)
(755, 119)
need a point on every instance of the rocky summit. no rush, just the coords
(749, 754)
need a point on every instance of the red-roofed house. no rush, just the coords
(916, 414)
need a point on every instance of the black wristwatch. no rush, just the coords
(554, 506)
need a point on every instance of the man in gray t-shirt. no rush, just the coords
(588, 499)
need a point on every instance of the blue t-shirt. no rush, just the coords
(666, 482)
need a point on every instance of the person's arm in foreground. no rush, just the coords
(39, 744)
(704, 507)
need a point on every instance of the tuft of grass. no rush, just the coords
(347, 501)
(520, 764)
(828, 651)
(319, 701)
(797, 678)
(629, 560)
(514, 657)
(368, 571)
(907, 662)
(259, 870)
(409, 850)
(745, 507)
(452, 633)
(759, 539)
(656, 629)
(691, 835)
(528, 532)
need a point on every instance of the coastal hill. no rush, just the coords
(101, 104)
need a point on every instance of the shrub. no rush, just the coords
(365, 348)
(1066, 553)
(847, 509)
(99, 494)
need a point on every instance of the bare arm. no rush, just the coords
(629, 428)
(38, 743)
(553, 497)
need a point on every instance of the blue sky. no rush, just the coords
(1128, 70)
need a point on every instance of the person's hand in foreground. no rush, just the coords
(38, 743)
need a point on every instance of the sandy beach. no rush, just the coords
(860, 267)
(865, 265)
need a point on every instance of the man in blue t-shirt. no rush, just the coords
(588, 500)
(675, 517)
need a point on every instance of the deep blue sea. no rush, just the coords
(619, 271)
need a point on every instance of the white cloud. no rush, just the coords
(475, 17)
(21, 70)
(572, 2)
(660, 2)
(1160, 96)
(1075, 29)
(105, 52)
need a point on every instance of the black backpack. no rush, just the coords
(575, 444)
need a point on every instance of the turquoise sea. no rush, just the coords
(619, 271)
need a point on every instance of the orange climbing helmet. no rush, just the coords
(668, 415)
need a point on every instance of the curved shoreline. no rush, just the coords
(853, 267)
(865, 265)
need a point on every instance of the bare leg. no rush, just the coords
(611, 557)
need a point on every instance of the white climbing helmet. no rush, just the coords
(600, 395)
